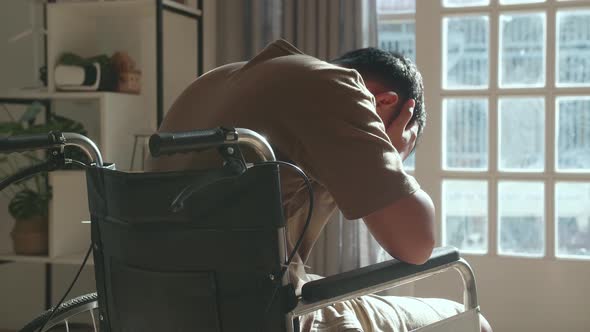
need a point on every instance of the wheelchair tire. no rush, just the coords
(68, 309)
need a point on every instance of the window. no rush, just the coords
(573, 54)
(511, 154)
(521, 218)
(465, 217)
(573, 134)
(397, 32)
(466, 53)
(466, 3)
(522, 50)
(521, 134)
(573, 220)
(465, 137)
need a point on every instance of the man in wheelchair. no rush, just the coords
(348, 124)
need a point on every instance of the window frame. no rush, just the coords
(429, 163)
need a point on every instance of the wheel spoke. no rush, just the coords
(93, 320)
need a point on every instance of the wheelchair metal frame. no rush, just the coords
(468, 320)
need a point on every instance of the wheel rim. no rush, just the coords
(64, 318)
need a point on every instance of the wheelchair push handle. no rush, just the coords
(51, 140)
(171, 143)
(167, 143)
(31, 142)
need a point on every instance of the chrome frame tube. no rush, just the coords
(461, 266)
(86, 145)
(470, 300)
(256, 141)
(264, 150)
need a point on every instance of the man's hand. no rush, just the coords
(402, 131)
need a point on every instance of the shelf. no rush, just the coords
(127, 7)
(181, 9)
(73, 259)
(12, 257)
(45, 95)
(132, 8)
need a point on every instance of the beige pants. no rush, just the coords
(380, 314)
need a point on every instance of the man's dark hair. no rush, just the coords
(392, 70)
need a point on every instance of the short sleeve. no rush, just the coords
(342, 144)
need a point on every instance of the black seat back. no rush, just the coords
(204, 268)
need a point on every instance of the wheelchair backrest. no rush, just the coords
(206, 267)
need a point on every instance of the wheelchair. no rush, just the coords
(205, 250)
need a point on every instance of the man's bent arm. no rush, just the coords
(405, 228)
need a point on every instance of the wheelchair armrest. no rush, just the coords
(373, 275)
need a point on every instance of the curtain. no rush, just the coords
(324, 29)
(321, 28)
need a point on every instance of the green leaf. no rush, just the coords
(27, 203)
(31, 196)
(71, 59)
(8, 128)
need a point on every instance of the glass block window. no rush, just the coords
(522, 50)
(396, 6)
(465, 3)
(572, 203)
(573, 134)
(573, 48)
(513, 89)
(465, 215)
(518, 2)
(465, 140)
(521, 218)
(466, 52)
(399, 37)
(521, 134)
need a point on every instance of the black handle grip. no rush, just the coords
(170, 143)
(30, 142)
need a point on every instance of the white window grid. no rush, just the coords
(428, 11)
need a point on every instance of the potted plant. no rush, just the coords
(29, 198)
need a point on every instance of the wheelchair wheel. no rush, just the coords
(68, 316)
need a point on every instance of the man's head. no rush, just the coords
(391, 78)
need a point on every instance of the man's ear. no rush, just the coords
(386, 99)
(386, 106)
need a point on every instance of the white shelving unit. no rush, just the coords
(111, 120)
(163, 38)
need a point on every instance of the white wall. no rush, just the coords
(210, 35)
(16, 57)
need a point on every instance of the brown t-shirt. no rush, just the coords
(315, 114)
